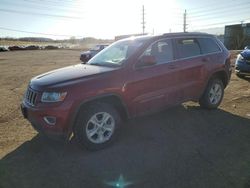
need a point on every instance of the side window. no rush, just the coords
(161, 50)
(187, 47)
(208, 45)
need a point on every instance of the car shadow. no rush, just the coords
(246, 78)
(184, 146)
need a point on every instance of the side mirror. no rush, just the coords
(147, 60)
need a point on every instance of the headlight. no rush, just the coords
(53, 96)
(240, 57)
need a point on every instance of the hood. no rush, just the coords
(91, 52)
(246, 54)
(67, 74)
(85, 52)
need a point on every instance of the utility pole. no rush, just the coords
(185, 21)
(243, 24)
(143, 20)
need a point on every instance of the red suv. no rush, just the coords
(131, 77)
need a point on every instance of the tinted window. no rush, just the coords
(208, 45)
(161, 50)
(187, 47)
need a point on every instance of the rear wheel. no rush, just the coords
(97, 126)
(213, 94)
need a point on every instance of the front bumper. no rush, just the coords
(60, 130)
(242, 68)
(242, 73)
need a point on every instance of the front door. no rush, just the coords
(155, 86)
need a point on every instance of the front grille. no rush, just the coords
(30, 97)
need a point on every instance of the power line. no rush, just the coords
(56, 2)
(37, 33)
(219, 14)
(51, 3)
(70, 1)
(222, 11)
(39, 14)
(210, 5)
(16, 4)
(221, 23)
(223, 8)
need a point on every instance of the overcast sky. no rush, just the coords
(108, 18)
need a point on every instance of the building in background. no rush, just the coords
(237, 36)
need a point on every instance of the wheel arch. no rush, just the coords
(222, 75)
(205, 100)
(113, 99)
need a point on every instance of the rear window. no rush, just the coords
(187, 47)
(208, 45)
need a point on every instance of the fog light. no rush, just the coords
(50, 120)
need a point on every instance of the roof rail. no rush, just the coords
(186, 33)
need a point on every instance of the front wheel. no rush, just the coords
(213, 94)
(97, 126)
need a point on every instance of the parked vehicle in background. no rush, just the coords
(16, 48)
(3, 49)
(247, 47)
(87, 55)
(132, 77)
(242, 64)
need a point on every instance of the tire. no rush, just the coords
(213, 94)
(97, 126)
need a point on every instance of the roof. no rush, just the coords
(181, 34)
(187, 34)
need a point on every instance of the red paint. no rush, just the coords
(140, 89)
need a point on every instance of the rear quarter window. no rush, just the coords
(208, 45)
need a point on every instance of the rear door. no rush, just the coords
(191, 67)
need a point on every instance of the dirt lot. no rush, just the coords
(182, 147)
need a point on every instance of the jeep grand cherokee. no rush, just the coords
(129, 78)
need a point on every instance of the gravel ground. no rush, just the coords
(184, 146)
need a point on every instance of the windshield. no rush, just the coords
(116, 53)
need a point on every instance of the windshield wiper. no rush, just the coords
(111, 64)
(105, 64)
(97, 64)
